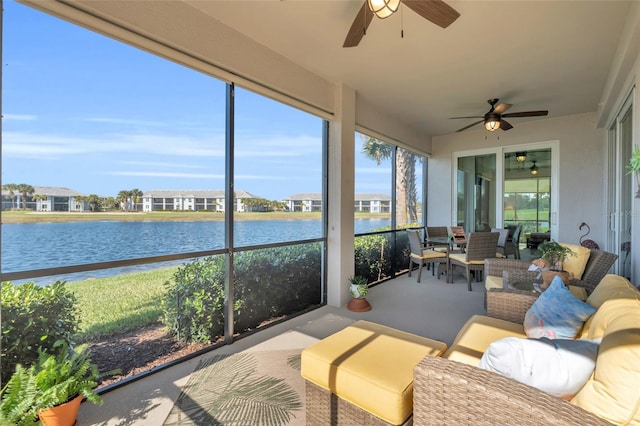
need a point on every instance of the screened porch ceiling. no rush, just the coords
(536, 55)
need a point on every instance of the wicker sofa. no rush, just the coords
(589, 267)
(452, 390)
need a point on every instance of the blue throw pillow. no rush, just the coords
(557, 314)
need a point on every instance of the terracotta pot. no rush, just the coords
(61, 415)
(359, 305)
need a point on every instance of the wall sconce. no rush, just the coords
(521, 157)
(383, 8)
(492, 122)
(534, 168)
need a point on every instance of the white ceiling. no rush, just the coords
(536, 55)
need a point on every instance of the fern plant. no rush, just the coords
(53, 380)
(18, 398)
(62, 377)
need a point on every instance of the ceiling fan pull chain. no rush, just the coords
(401, 22)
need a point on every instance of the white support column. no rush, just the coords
(340, 256)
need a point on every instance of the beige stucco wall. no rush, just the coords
(581, 174)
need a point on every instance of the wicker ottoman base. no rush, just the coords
(325, 408)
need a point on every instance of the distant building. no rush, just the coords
(46, 199)
(312, 202)
(191, 200)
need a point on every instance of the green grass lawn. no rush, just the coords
(30, 216)
(120, 303)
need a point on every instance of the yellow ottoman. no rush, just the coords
(368, 365)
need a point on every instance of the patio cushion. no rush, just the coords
(371, 366)
(477, 334)
(614, 393)
(577, 261)
(491, 281)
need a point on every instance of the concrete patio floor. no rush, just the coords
(431, 308)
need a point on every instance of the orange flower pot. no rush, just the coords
(61, 415)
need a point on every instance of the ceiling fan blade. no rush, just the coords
(435, 11)
(502, 108)
(470, 125)
(472, 116)
(359, 26)
(526, 114)
(505, 125)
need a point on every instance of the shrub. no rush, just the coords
(267, 283)
(194, 303)
(276, 281)
(371, 254)
(34, 318)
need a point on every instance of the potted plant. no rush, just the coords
(553, 254)
(359, 287)
(634, 167)
(52, 389)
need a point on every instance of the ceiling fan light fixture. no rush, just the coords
(521, 157)
(383, 8)
(534, 168)
(492, 122)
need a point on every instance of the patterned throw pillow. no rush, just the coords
(557, 313)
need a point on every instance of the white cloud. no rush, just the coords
(33, 145)
(161, 164)
(168, 175)
(19, 117)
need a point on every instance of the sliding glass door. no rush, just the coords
(476, 192)
(620, 190)
(508, 186)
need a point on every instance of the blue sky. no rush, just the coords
(89, 113)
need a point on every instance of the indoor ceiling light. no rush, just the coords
(521, 157)
(383, 8)
(534, 168)
(492, 122)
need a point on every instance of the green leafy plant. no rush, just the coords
(53, 380)
(268, 284)
(634, 167)
(554, 252)
(359, 286)
(34, 317)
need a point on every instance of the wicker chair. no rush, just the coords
(450, 392)
(513, 270)
(512, 247)
(438, 232)
(421, 256)
(480, 246)
(502, 240)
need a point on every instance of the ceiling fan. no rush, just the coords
(493, 120)
(436, 11)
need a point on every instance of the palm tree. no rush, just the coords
(95, 201)
(25, 190)
(406, 192)
(39, 197)
(123, 199)
(136, 197)
(13, 189)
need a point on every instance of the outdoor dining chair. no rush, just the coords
(512, 247)
(502, 240)
(480, 246)
(459, 237)
(421, 256)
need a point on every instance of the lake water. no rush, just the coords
(49, 245)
